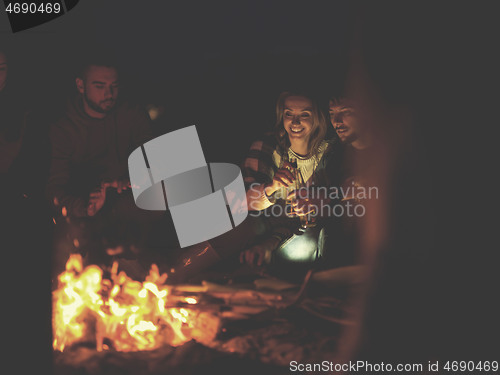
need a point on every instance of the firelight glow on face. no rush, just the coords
(297, 118)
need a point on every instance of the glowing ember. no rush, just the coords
(122, 313)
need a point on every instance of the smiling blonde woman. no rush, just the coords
(295, 149)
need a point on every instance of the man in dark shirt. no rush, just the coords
(342, 236)
(88, 183)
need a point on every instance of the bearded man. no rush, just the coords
(88, 183)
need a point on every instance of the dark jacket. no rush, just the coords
(87, 151)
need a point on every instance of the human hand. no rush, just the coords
(282, 178)
(305, 203)
(96, 200)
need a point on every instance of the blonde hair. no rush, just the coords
(319, 126)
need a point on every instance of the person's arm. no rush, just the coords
(257, 197)
(261, 180)
(57, 191)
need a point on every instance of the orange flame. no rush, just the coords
(129, 314)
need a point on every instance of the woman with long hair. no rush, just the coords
(297, 144)
(294, 154)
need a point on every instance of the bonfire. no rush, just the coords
(122, 314)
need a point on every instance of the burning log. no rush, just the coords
(102, 321)
(121, 313)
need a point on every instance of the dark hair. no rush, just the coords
(344, 101)
(319, 127)
(96, 58)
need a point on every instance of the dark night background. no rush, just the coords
(221, 67)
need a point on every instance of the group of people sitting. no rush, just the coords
(299, 178)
